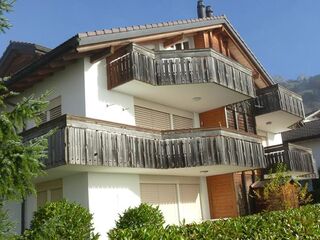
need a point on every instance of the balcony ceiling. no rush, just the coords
(182, 96)
(276, 122)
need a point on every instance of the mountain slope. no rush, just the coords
(308, 87)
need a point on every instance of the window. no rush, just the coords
(50, 191)
(182, 46)
(182, 122)
(53, 111)
(149, 118)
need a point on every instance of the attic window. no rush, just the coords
(182, 46)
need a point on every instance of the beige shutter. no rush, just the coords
(149, 118)
(43, 117)
(41, 198)
(182, 122)
(190, 206)
(164, 196)
(55, 112)
(56, 194)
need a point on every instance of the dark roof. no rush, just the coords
(124, 33)
(308, 131)
(18, 55)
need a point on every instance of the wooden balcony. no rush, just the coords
(87, 142)
(176, 77)
(277, 108)
(298, 159)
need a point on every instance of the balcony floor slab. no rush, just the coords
(183, 96)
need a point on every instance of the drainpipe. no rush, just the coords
(23, 210)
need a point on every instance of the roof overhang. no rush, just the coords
(92, 43)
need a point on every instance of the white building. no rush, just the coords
(148, 114)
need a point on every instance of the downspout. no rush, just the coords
(23, 210)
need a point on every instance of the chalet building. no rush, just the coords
(179, 114)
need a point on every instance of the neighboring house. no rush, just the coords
(307, 135)
(177, 114)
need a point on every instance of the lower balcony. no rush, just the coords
(298, 159)
(84, 142)
(195, 80)
(277, 108)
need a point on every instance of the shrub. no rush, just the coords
(300, 223)
(61, 220)
(143, 216)
(142, 222)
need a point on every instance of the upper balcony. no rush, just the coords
(196, 80)
(104, 146)
(277, 108)
(298, 159)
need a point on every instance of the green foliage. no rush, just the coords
(300, 223)
(279, 187)
(5, 225)
(5, 7)
(19, 161)
(61, 220)
(142, 216)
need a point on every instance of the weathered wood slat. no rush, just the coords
(84, 143)
(276, 98)
(179, 67)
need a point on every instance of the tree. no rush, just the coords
(5, 7)
(19, 160)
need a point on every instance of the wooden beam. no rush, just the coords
(170, 41)
(102, 54)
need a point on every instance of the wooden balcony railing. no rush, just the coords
(83, 141)
(178, 67)
(296, 158)
(275, 98)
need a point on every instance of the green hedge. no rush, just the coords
(61, 220)
(301, 223)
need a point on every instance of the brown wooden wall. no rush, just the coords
(213, 118)
(222, 196)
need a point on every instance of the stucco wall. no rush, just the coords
(69, 84)
(120, 106)
(75, 189)
(109, 196)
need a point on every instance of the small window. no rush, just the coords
(182, 46)
(50, 191)
(53, 111)
(186, 45)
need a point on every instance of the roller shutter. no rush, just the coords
(150, 118)
(177, 202)
(182, 122)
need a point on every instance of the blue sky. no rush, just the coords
(283, 34)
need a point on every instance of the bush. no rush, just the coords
(143, 216)
(300, 223)
(61, 220)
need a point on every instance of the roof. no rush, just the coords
(313, 116)
(107, 36)
(310, 130)
(29, 51)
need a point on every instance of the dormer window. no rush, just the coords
(182, 46)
